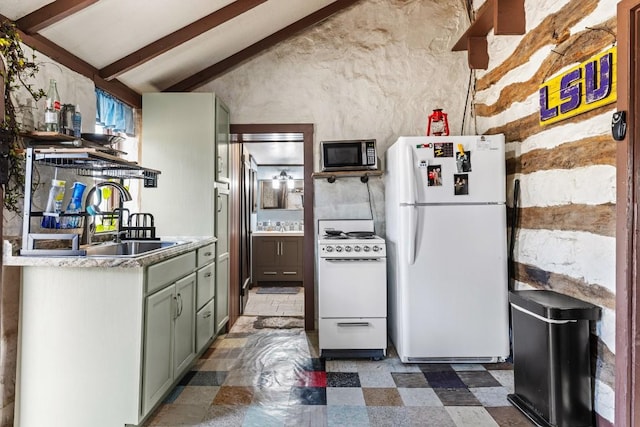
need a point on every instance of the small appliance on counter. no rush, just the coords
(352, 289)
(349, 155)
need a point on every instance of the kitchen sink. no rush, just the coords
(129, 248)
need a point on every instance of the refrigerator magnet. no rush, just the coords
(443, 149)
(461, 184)
(434, 176)
(463, 161)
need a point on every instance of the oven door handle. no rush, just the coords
(355, 259)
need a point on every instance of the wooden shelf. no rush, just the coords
(506, 17)
(332, 176)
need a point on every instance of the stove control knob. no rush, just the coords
(377, 248)
(329, 248)
(357, 248)
(347, 248)
(367, 248)
(338, 248)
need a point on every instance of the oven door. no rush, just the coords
(352, 287)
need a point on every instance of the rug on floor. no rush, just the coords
(278, 322)
(278, 290)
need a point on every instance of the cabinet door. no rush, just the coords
(222, 141)
(222, 219)
(290, 259)
(206, 285)
(158, 344)
(265, 256)
(185, 323)
(222, 292)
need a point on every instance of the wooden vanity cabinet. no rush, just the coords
(277, 258)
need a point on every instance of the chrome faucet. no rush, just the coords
(93, 208)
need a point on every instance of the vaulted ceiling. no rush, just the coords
(128, 47)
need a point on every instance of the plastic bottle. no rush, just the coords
(77, 122)
(54, 204)
(74, 206)
(52, 108)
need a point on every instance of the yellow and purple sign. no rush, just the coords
(588, 86)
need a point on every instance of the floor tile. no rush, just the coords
(376, 379)
(215, 364)
(430, 417)
(242, 378)
(172, 415)
(444, 379)
(265, 416)
(306, 416)
(311, 379)
(208, 378)
(468, 367)
(470, 416)
(435, 367)
(382, 397)
(347, 416)
(343, 379)
(270, 396)
(233, 395)
(478, 379)
(491, 396)
(224, 416)
(419, 397)
(505, 378)
(388, 416)
(509, 416)
(409, 380)
(456, 397)
(341, 366)
(345, 396)
(174, 394)
(199, 395)
(308, 396)
(233, 343)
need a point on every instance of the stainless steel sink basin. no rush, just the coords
(128, 248)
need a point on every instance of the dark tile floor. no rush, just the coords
(273, 377)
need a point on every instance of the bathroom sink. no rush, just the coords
(129, 248)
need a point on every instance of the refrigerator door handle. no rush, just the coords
(410, 172)
(413, 233)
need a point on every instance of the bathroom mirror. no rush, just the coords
(281, 197)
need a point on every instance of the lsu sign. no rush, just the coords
(590, 85)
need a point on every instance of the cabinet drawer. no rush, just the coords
(206, 254)
(165, 272)
(204, 325)
(353, 333)
(291, 273)
(206, 285)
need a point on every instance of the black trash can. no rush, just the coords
(551, 357)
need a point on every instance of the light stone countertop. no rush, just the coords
(278, 233)
(11, 255)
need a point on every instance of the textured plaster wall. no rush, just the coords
(375, 70)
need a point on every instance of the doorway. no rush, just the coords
(243, 184)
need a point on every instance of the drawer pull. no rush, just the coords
(353, 323)
(207, 315)
(208, 253)
(207, 275)
(290, 272)
(269, 273)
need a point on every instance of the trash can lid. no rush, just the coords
(552, 305)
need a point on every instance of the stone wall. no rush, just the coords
(565, 239)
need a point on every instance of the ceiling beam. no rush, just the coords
(64, 57)
(178, 37)
(50, 14)
(204, 76)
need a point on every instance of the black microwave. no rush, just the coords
(349, 155)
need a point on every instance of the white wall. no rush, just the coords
(374, 71)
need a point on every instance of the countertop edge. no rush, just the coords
(11, 257)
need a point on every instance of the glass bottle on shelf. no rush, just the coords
(52, 108)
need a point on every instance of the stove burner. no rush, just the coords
(361, 234)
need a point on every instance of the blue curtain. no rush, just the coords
(113, 113)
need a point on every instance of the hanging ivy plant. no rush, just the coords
(17, 71)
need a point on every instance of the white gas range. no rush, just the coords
(352, 289)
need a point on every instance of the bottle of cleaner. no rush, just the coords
(54, 204)
(74, 206)
(77, 122)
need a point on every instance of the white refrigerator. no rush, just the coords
(447, 248)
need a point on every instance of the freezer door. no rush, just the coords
(451, 302)
(452, 169)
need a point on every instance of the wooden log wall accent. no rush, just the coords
(576, 49)
(554, 29)
(567, 151)
(596, 219)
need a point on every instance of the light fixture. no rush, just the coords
(275, 183)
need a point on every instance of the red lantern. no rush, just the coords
(438, 123)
